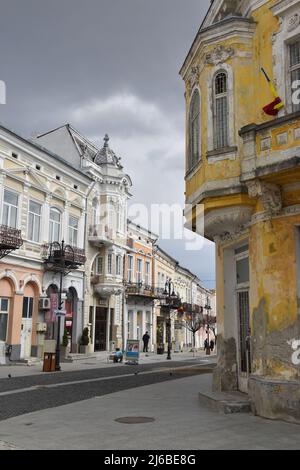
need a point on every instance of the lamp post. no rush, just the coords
(170, 296)
(207, 308)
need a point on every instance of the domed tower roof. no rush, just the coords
(106, 156)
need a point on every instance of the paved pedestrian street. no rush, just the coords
(78, 410)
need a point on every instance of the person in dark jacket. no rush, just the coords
(212, 345)
(146, 338)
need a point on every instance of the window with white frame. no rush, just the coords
(54, 225)
(139, 270)
(294, 53)
(109, 263)
(27, 307)
(147, 273)
(34, 221)
(220, 109)
(118, 265)
(4, 309)
(194, 131)
(130, 268)
(73, 230)
(99, 266)
(10, 209)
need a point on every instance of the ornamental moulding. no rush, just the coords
(219, 55)
(193, 77)
(293, 22)
(269, 194)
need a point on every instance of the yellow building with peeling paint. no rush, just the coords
(243, 166)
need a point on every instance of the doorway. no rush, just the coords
(100, 328)
(26, 327)
(243, 317)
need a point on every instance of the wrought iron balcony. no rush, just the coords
(101, 234)
(58, 256)
(140, 290)
(10, 240)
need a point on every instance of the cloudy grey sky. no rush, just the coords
(108, 66)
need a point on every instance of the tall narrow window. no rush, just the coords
(130, 269)
(73, 230)
(194, 131)
(4, 307)
(220, 111)
(109, 263)
(118, 265)
(10, 209)
(54, 225)
(99, 266)
(34, 221)
(27, 307)
(147, 273)
(95, 212)
(295, 68)
(139, 267)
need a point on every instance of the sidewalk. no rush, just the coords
(180, 423)
(19, 370)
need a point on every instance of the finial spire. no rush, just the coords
(106, 140)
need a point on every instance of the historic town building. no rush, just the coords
(105, 232)
(42, 200)
(140, 292)
(243, 165)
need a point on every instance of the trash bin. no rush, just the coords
(49, 362)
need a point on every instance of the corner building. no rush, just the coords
(243, 165)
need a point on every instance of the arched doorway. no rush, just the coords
(52, 293)
(71, 305)
(28, 310)
(6, 308)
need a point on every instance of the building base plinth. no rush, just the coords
(275, 398)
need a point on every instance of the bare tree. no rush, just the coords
(193, 322)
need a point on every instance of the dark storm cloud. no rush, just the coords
(105, 66)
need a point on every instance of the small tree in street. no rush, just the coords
(193, 322)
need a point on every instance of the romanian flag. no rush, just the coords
(273, 108)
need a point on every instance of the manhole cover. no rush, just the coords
(134, 420)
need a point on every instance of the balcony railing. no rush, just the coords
(143, 290)
(57, 257)
(10, 240)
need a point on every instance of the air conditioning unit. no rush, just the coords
(41, 327)
(44, 303)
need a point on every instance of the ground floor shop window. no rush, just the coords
(4, 307)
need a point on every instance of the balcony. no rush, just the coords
(100, 235)
(10, 240)
(271, 149)
(141, 290)
(60, 257)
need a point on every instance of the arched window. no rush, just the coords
(194, 131)
(54, 225)
(220, 110)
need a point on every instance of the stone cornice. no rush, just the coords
(229, 27)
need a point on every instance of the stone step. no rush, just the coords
(78, 357)
(223, 402)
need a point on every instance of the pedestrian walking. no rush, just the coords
(205, 344)
(146, 338)
(212, 345)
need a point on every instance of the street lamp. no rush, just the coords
(170, 297)
(62, 259)
(207, 308)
